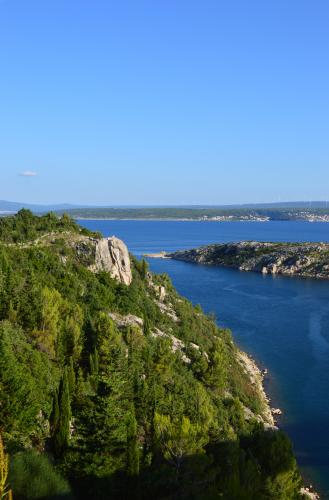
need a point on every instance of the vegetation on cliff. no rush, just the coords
(116, 391)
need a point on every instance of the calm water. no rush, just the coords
(283, 322)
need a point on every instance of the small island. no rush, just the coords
(309, 260)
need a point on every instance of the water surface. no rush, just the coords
(283, 322)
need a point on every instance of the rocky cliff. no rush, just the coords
(111, 255)
(106, 254)
(298, 259)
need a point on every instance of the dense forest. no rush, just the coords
(111, 391)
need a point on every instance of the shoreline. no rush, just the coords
(173, 219)
(182, 219)
(165, 255)
(257, 377)
(291, 259)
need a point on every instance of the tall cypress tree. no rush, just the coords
(71, 377)
(54, 417)
(132, 445)
(146, 327)
(94, 362)
(62, 433)
(144, 268)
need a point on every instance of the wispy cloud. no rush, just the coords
(28, 173)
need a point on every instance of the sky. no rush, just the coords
(164, 102)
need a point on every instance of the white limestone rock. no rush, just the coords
(112, 256)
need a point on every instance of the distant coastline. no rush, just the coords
(187, 219)
(167, 219)
(301, 211)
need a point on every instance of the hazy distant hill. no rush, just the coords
(12, 206)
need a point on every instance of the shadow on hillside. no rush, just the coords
(230, 470)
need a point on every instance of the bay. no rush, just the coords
(282, 322)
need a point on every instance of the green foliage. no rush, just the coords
(61, 424)
(32, 476)
(26, 378)
(132, 445)
(152, 410)
(178, 438)
(25, 226)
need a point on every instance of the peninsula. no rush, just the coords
(309, 260)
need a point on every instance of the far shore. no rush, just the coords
(168, 219)
(174, 219)
(157, 255)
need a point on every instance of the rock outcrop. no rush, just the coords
(122, 321)
(293, 259)
(112, 256)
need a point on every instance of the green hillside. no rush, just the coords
(111, 391)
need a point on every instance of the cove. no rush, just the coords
(282, 322)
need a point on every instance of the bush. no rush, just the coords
(33, 476)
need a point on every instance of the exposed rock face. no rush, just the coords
(176, 344)
(300, 259)
(127, 320)
(112, 256)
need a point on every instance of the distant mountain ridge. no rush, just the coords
(13, 206)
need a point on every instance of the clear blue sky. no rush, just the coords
(164, 101)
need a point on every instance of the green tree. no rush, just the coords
(71, 331)
(71, 377)
(144, 269)
(62, 431)
(54, 416)
(26, 384)
(33, 476)
(178, 438)
(146, 326)
(47, 334)
(132, 445)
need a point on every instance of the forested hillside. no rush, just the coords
(110, 391)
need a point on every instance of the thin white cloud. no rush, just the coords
(28, 173)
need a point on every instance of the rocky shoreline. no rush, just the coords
(256, 376)
(309, 260)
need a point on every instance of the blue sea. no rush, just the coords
(282, 322)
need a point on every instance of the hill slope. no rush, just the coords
(114, 386)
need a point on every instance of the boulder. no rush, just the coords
(112, 256)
